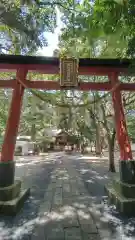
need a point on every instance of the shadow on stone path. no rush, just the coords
(67, 201)
(110, 224)
(36, 174)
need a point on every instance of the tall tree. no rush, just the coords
(23, 24)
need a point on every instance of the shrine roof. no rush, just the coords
(83, 62)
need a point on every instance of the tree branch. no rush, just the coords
(42, 4)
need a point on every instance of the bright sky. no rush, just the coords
(52, 39)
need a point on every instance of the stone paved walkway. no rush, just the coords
(67, 201)
(65, 213)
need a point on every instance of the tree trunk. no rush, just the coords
(111, 143)
(33, 132)
(98, 145)
(97, 128)
(82, 149)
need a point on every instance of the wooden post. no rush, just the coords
(7, 153)
(7, 165)
(120, 121)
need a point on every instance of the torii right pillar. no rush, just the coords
(121, 191)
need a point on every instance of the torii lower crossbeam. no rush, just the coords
(54, 85)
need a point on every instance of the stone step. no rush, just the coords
(13, 206)
(124, 205)
(125, 189)
(11, 192)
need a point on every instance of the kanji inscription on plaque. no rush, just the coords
(68, 72)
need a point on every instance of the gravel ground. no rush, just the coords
(36, 173)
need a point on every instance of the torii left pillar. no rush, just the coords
(9, 188)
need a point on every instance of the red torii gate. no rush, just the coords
(23, 64)
(100, 67)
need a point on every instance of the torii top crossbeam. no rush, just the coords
(50, 65)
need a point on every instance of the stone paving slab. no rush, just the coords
(54, 233)
(86, 221)
(57, 201)
(73, 233)
(64, 213)
(91, 236)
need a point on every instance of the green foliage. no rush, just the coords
(100, 29)
(5, 98)
(108, 25)
(131, 127)
(117, 17)
(22, 26)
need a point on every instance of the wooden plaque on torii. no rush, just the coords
(68, 72)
